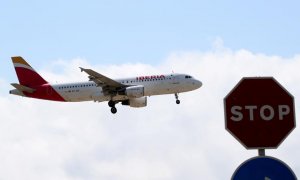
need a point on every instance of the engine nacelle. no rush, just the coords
(134, 91)
(136, 102)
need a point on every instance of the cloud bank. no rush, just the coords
(72, 141)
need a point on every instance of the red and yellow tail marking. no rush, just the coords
(26, 74)
(31, 83)
(20, 62)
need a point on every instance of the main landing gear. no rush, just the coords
(112, 104)
(176, 97)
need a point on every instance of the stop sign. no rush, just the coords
(259, 112)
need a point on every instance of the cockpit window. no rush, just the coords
(188, 77)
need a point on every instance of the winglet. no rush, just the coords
(81, 69)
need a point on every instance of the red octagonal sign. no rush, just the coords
(259, 113)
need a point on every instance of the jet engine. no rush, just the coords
(133, 91)
(136, 102)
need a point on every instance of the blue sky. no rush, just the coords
(112, 32)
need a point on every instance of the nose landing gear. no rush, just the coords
(176, 97)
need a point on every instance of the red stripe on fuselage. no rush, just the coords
(46, 92)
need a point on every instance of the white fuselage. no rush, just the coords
(131, 92)
(153, 85)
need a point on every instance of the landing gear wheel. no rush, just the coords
(113, 110)
(176, 97)
(111, 103)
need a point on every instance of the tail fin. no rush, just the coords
(26, 74)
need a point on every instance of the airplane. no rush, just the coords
(132, 92)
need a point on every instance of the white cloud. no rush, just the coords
(51, 140)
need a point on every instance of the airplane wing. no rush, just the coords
(107, 84)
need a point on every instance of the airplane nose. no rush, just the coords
(197, 83)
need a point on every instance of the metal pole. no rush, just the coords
(261, 152)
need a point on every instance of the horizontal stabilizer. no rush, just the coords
(23, 88)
